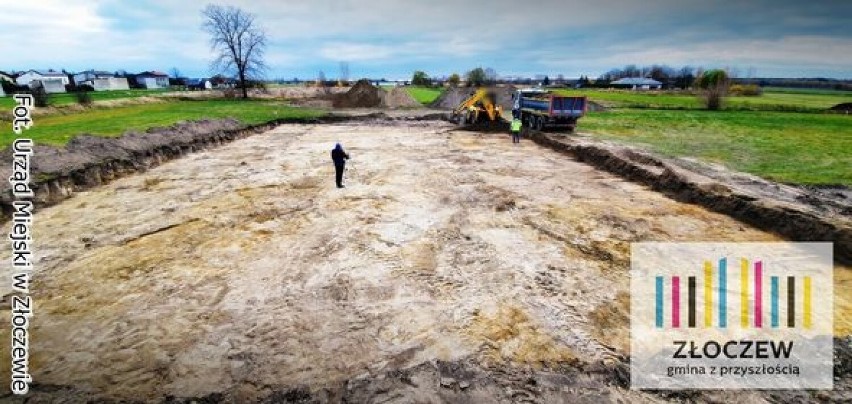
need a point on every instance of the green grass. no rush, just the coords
(110, 122)
(770, 100)
(787, 147)
(6, 103)
(424, 95)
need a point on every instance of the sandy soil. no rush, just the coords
(244, 270)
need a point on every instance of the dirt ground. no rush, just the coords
(243, 270)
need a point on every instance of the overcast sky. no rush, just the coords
(392, 38)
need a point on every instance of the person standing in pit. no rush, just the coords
(516, 130)
(339, 157)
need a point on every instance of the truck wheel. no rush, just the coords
(539, 123)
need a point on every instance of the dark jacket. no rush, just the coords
(339, 156)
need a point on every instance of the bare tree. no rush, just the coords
(322, 83)
(175, 73)
(238, 40)
(344, 73)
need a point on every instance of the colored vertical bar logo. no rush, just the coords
(659, 304)
(713, 290)
(756, 316)
(774, 297)
(758, 294)
(723, 293)
(744, 293)
(708, 294)
(675, 301)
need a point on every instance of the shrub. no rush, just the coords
(714, 87)
(40, 97)
(746, 90)
(83, 97)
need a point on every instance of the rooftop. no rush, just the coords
(637, 81)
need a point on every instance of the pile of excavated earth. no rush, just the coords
(365, 95)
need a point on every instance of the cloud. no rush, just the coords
(395, 37)
(355, 52)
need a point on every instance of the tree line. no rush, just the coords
(671, 77)
(476, 77)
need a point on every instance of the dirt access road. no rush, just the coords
(243, 271)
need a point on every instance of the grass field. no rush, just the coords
(68, 98)
(784, 134)
(782, 146)
(770, 100)
(59, 129)
(424, 95)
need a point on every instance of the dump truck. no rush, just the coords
(539, 109)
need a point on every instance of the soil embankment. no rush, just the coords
(797, 213)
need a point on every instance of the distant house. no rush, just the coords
(7, 77)
(638, 83)
(221, 82)
(52, 81)
(90, 75)
(199, 84)
(2, 93)
(101, 80)
(110, 83)
(152, 79)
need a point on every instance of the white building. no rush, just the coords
(108, 84)
(28, 77)
(152, 79)
(638, 83)
(51, 85)
(90, 75)
(101, 80)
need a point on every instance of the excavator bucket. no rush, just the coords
(481, 112)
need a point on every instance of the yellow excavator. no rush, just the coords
(480, 107)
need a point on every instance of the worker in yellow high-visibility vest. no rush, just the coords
(516, 130)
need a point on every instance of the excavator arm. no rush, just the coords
(473, 106)
(470, 101)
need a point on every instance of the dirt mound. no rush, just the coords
(845, 107)
(361, 95)
(454, 96)
(398, 97)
